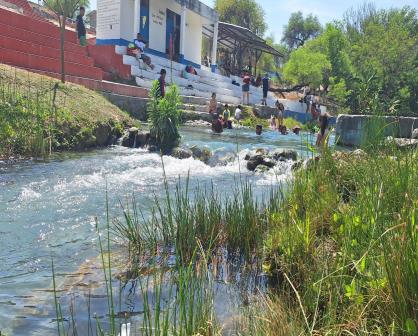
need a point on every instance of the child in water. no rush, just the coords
(258, 129)
(226, 115)
(273, 123)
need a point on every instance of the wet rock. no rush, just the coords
(261, 169)
(268, 163)
(286, 154)
(254, 161)
(221, 158)
(103, 135)
(142, 138)
(262, 151)
(152, 148)
(181, 153)
(201, 154)
(415, 134)
(297, 165)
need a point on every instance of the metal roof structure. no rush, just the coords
(232, 37)
(199, 8)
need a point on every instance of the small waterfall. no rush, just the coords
(134, 145)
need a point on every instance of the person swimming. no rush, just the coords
(258, 129)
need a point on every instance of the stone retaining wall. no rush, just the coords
(350, 129)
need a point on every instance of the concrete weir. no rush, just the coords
(350, 129)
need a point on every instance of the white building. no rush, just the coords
(161, 22)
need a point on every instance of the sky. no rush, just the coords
(278, 11)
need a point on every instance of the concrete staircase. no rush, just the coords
(201, 85)
(30, 43)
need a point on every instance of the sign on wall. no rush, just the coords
(108, 18)
(158, 17)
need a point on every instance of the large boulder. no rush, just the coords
(181, 153)
(261, 169)
(254, 161)
(286, 154)
(201, 154)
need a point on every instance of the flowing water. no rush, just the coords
(48, 210)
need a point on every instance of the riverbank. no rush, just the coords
(40, 115)
(331, 252)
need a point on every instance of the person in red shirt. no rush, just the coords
(246, 89)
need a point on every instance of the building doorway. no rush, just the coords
(173, 34)
(144, 19)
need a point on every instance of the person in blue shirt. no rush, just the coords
(81, 28)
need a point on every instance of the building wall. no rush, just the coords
(193, 41)
(108, 19)
(158, 22)
(127, 22)
(115, 25)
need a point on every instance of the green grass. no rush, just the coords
(339, 245)
(346, 241)
(40, 115)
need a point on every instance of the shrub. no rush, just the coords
(164, 117)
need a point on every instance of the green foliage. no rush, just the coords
(39, 115)
(349, 244)
(300, 29)
(165, 117)
(67, 8)
(372, 56)
(245, 13)
(306, 67)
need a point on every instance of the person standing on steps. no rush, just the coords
(266, 86)
(81, 28)
(213, 104)
(246, 89)
(161, 83)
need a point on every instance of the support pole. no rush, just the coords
(137, 16)
(214, 45)
(183, 32)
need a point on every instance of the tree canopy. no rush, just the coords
(67, 8)
(369, 58)
(300, 29)
(245, 13)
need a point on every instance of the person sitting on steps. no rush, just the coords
(137, 48)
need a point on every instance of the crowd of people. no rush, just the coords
(225, 120)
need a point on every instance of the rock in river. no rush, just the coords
(286, 154)
(181, 153)
(254, 161)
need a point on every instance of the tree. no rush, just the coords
(64, 9)
(306, 66)
(245, 13)
(300, 29)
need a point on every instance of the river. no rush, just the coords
(47, 210)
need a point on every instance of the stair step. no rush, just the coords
(39, 39)
(25, 60)
(33, 25)
(32, 48)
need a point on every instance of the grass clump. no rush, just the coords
(345, 243)
(39, 115)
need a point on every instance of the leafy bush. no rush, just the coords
(165, 117)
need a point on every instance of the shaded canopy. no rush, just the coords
(235, 37)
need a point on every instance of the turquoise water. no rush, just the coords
(48, 210)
